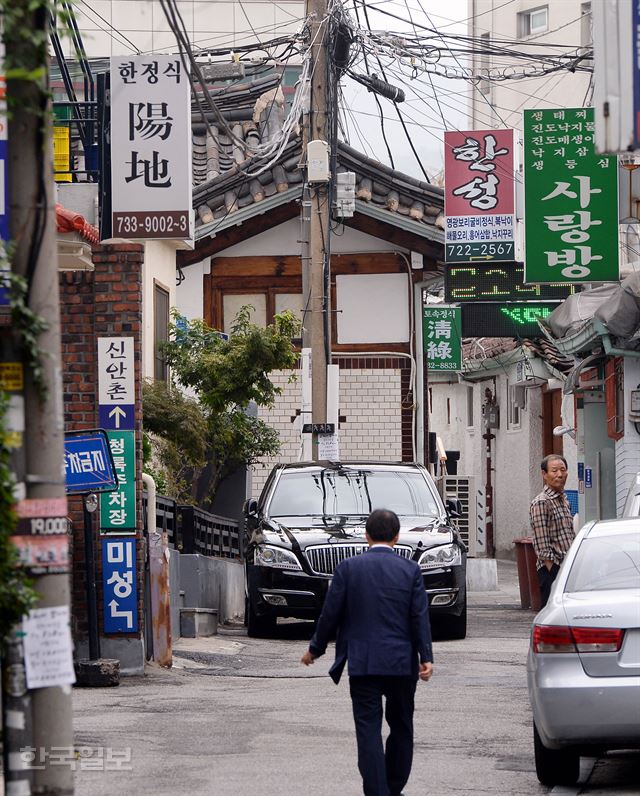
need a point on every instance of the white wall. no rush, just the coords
(561, 89)
(118, 27)
(159, 265)
(627, 448)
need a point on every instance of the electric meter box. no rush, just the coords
(318, 161)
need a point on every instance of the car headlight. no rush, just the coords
(446, 556)
(276, 557)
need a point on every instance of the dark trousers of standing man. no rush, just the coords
(384, 771)
(545, 579)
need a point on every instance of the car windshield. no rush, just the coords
(604, 563)
(350, 492)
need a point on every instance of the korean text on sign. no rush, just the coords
(119, 585)
(571, 199)
(441, 337)
(151, 147)
(118, 508)
(479, 195)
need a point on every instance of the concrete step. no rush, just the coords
(196, 622)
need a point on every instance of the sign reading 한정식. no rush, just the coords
(479, 202)
(571, 199)
(150, 147)
(441, 337)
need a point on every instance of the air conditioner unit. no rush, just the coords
(462, 487)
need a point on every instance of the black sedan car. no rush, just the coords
(311, 516)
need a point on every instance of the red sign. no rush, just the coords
(479, 173)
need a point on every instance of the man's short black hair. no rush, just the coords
(383, 525)
(544, 464)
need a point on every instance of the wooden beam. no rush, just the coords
(207, 247)
(431, 251)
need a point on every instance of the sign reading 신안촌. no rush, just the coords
(571, 199)
(479, 195)
(441, 337)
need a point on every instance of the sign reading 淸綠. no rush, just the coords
(150, 147)
(441, 337)
(571, 199)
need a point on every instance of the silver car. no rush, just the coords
(583, 667)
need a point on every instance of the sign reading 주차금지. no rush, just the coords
(479, 196)
(571, 199)
(441, 336)
(150, 148)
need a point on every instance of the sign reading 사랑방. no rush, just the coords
(441, 337)
(571, 200)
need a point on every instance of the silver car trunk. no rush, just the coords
(612, 609)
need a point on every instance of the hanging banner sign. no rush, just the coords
(150, 148)
(441, 337)
(479, 196)
(118, 507)
(571, 200)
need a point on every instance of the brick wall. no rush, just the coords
(103, 303)
(375, 414)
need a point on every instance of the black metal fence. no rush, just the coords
(192, 530)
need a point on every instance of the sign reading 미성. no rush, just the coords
(571, 199)
(441, 336)
(479, 202)
(119, 585)
(150, 147)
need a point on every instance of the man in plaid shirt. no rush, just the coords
(551, 522)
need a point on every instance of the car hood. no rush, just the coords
(309, 531)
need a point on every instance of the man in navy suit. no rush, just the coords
(377, 610)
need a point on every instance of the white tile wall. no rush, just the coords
(369, 399)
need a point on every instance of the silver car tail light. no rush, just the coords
(559, 638)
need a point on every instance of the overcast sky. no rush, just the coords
(422, 115)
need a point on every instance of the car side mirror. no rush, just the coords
(454, 507)
(250, 508)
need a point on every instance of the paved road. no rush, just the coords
(240, 716)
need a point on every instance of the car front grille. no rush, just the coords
(323, 559)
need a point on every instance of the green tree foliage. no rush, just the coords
(198, 425)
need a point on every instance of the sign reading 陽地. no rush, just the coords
(116, 399)
(150, 148)
(571, 200)
(479, 196)
(441, 337)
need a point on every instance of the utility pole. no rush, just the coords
(33, 233)
(316, 211)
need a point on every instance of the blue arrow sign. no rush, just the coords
(88, 462)
(116, 417)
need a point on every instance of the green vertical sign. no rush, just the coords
(118, 508)
(571, 200)
(442, 337)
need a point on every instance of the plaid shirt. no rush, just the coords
(552, 526)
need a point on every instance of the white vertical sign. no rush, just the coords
(150, 147)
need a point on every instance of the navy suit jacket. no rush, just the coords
(377, 609)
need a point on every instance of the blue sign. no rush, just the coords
(116, 417)
(580, 471)
(88, 462)
(635, 34)
(119, 585)
(4, 186)
(588, 477)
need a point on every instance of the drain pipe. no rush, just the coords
(159, 575)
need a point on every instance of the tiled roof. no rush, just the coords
(221, 187)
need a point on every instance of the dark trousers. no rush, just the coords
(384, 771)
(545, 579)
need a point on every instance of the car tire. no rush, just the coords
(259, 626)
(555, 766)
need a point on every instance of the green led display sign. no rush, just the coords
(493, 282)
(495, 319)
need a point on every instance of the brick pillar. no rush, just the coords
(105, 303)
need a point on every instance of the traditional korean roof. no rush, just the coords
(225, 196)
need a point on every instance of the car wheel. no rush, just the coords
(258, 626)
(457, 625)
(555, 766)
